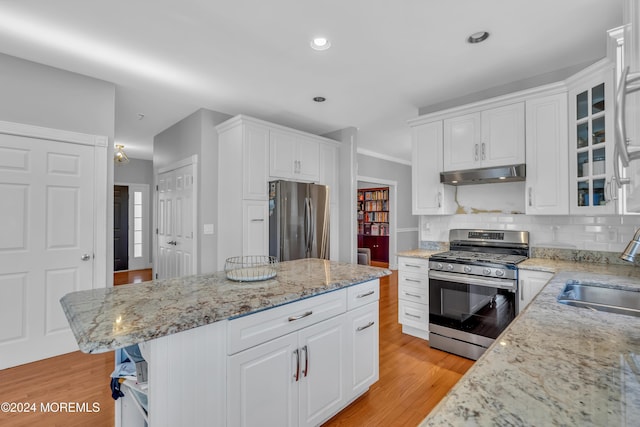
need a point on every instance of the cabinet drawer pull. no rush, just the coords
(366, 295)
(412, 295)
(413, 265)
(296, 353)
(257, 220)
(412, 315)
(412, 280)
(368, 325)
(300, 316)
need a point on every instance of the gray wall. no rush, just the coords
(39, 95)
(138, 171)
(406, 223)
(196, 135)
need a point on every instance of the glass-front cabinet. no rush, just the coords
(591, 143)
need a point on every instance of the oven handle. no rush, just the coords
(510, 285)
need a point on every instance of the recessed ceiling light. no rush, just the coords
(478, 37)
(319, 99)
(320, 43)
(140, 116)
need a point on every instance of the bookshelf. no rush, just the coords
(373, 221)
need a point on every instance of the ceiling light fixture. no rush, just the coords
(120, 157)
(320, 43)
(478, 37)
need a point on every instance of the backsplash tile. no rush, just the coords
(601, 234)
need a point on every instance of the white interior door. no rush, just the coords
(176, 223)
(47, 244)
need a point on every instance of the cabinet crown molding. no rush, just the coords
(498, 101)
(244, 119)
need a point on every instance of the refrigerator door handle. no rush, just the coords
(307, 225)
(312, 228)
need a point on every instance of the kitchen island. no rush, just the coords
(292, 350)
(555, 364)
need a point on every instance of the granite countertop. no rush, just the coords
(110, 318)
(555, 364)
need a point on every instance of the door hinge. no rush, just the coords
(157, 188)
(156, 231)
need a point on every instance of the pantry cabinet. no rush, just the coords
(547, 185)
(492, 137)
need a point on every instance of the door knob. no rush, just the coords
(85, 257)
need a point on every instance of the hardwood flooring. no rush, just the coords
(132, 276)
(413, 379)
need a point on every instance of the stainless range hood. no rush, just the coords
(509, 173)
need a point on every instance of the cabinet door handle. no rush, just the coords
(366, 294)
(439, 199)
(484, 151)
(300, 316)
(475, 152)
(296, 354)
(530, 196)
(257, 220)
(412, 295)
(521, 291)
(306, 360)
(368, 325)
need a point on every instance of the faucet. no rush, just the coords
(629, 253)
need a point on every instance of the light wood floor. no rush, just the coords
(131, 276)
(413, 378)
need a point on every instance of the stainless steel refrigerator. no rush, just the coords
(298, 220)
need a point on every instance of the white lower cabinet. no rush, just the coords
(305, 377)
(530, 283)
(413, 296)
(293, 380)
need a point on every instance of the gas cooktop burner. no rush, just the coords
(468, 256)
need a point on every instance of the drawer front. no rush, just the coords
(363, 293)
(254, 329)
(416, 265)
(414, 315)
(413, 294)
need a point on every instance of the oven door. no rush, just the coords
(470, 309)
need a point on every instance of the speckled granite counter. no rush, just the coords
(555, 364)
(110, 318)
(419, 253)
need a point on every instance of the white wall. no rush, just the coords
(39, 95)
(196, 135)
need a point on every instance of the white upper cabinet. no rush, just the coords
(591, 141)
(293, 157)
(547, 190)
(492, 137)
(429, 196)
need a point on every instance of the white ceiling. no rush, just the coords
(388, 58)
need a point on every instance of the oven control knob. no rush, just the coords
(499, 273)
(467, 269)
(486, 271)
(439, 266)
(450, 267)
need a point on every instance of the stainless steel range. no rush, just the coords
(473, 289)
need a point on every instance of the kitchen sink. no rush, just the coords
(598, 296)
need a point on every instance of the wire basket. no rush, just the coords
(250, 268)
